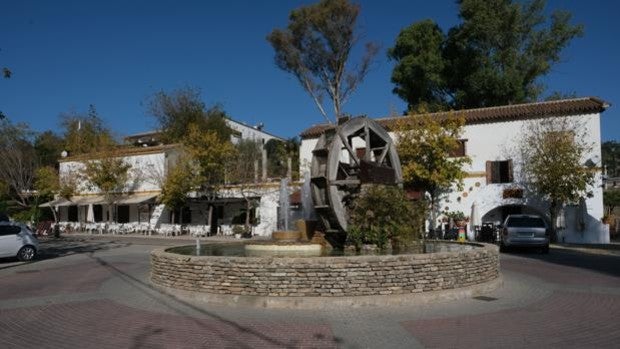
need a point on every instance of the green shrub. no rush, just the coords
(383, 214)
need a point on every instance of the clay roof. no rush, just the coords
(122, 151)
(575, 106)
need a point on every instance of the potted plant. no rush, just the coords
(459, 218)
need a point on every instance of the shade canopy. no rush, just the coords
(76, 200)
(87, 200)
(135, 199)
(90, 214)
(475, 215)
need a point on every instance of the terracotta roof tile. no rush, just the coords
(575, 106)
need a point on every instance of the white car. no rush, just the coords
(524, 230)
(16, 240)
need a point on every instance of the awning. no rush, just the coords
(76, 200)
(99, 200)
(135, 199)
(54, 203)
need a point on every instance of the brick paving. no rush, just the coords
(564, 320)
(560, 274)
(84, 277)
(94, 293)
(105, 324)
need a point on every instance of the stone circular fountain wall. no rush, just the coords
(326, 276)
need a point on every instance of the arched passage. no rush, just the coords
(498, 214)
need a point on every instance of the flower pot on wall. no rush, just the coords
(460, 223)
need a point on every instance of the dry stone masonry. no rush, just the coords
(326, 276)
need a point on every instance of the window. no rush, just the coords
(360, 152)
(9, 230)
(460, 151)
(525, 222)
(499, 171)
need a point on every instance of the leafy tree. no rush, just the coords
(109, 174)
(177, 110)
(611, 199)
(557, 95)
(47, 182)
(241, 172)
(382, 214)
(17, 161)
(210, 153)
(85, 133)
(495, 56)
(552, 152)
(179, 182)
(611, 158)
(425, 147)
(278, 153)
(48, 147)
(315, 48)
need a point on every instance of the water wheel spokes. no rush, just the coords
(357, 152)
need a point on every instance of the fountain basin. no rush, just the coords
(271, 249)
(455, 266)
(286, 235)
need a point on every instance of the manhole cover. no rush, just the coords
(26, 271)
(485, 298)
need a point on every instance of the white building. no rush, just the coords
(137, 202)
(490, 139)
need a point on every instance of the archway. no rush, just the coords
(498, 214)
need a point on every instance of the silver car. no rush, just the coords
(525, 231)
(17, 240)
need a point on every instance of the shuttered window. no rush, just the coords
(499, 171)
(460, 151)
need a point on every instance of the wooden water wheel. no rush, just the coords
(357, 152)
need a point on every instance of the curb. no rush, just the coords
(323, 303)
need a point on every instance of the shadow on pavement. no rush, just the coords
(601, 263)
(234, 342)
(61, 247)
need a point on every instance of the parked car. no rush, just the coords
(524, 231)
(17, 240)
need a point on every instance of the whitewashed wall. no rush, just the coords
(249, 132)
(146, 174)
(499, 141)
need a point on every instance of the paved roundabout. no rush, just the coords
(95, 293)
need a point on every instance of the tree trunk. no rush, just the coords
(210, 215)
(247, 214)
(433, 217)
(553, 213)
(264, 164)
(110, 213)
(54, 213)
(172, 217)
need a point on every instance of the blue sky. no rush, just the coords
(114, 54)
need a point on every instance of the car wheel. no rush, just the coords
(26, 253)
(545, 250)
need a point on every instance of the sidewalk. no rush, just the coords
(611, 249)
(139, 239)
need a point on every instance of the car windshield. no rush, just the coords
(523, 222)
